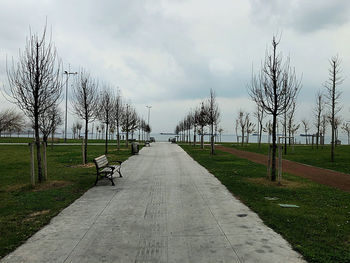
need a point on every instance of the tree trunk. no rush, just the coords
(333, 135)
(127, 139)
(36, 115)
(106, 142)
(333, 113)
(86, 139)
(202, 138)
(45, 139)
(318, 133)
(285, 133)
(274, 147)
(212, 139)
(260, 133)
(118, 137)
(194, 136)
(38, 152)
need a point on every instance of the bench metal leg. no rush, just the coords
(119, 172)
(111, 178)
(112, 181)
(96, 180)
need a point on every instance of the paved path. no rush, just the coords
(166, 208)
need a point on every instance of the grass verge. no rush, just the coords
(25, 209)
(319, 229)
(320, 157)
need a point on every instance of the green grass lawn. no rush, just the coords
(25, 209)
(319, 229)
(320, 157)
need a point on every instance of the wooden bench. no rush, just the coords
(105, 169)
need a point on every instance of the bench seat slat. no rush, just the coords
(101, 164)
(106, 170)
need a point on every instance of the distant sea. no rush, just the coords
(252, 139)
(224, 137)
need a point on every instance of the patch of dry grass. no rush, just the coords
(87, 165)
(34, 215)
(51, 185)
(284, 183)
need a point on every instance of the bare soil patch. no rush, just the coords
(316, 174)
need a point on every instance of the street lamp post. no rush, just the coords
(149, 110)
(65, 120)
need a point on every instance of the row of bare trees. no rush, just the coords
(274, 89)
(35, 86)
(206, 115)
(92, 101)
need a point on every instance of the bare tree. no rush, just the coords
(346, 128)
(11, 120)
(102, 128)
(129, 122)
(144, 128)
(323, 128)
(274, 89)
(292, 126)
(79, 127)
(236, 130)
(97, 129)
(268, 128)
(85, 102)
(196, 114)
(105, 111)
(333, 95)
(259, 114)
(36, 83)
(337, 123)
(250, 127)
(242, 123)
(189, 122)
(306, 126)
(118, 115)
(74, 130)
(213, 116)
(111, 132)
(318, 111)
(49, 121)
(202, 122)
(220, 130)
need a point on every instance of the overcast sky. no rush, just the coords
(169, 54)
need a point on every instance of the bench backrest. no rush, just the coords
(101, 161)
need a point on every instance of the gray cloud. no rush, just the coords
(302, 16)
(175, 51)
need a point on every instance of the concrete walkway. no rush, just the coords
(166, 208)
